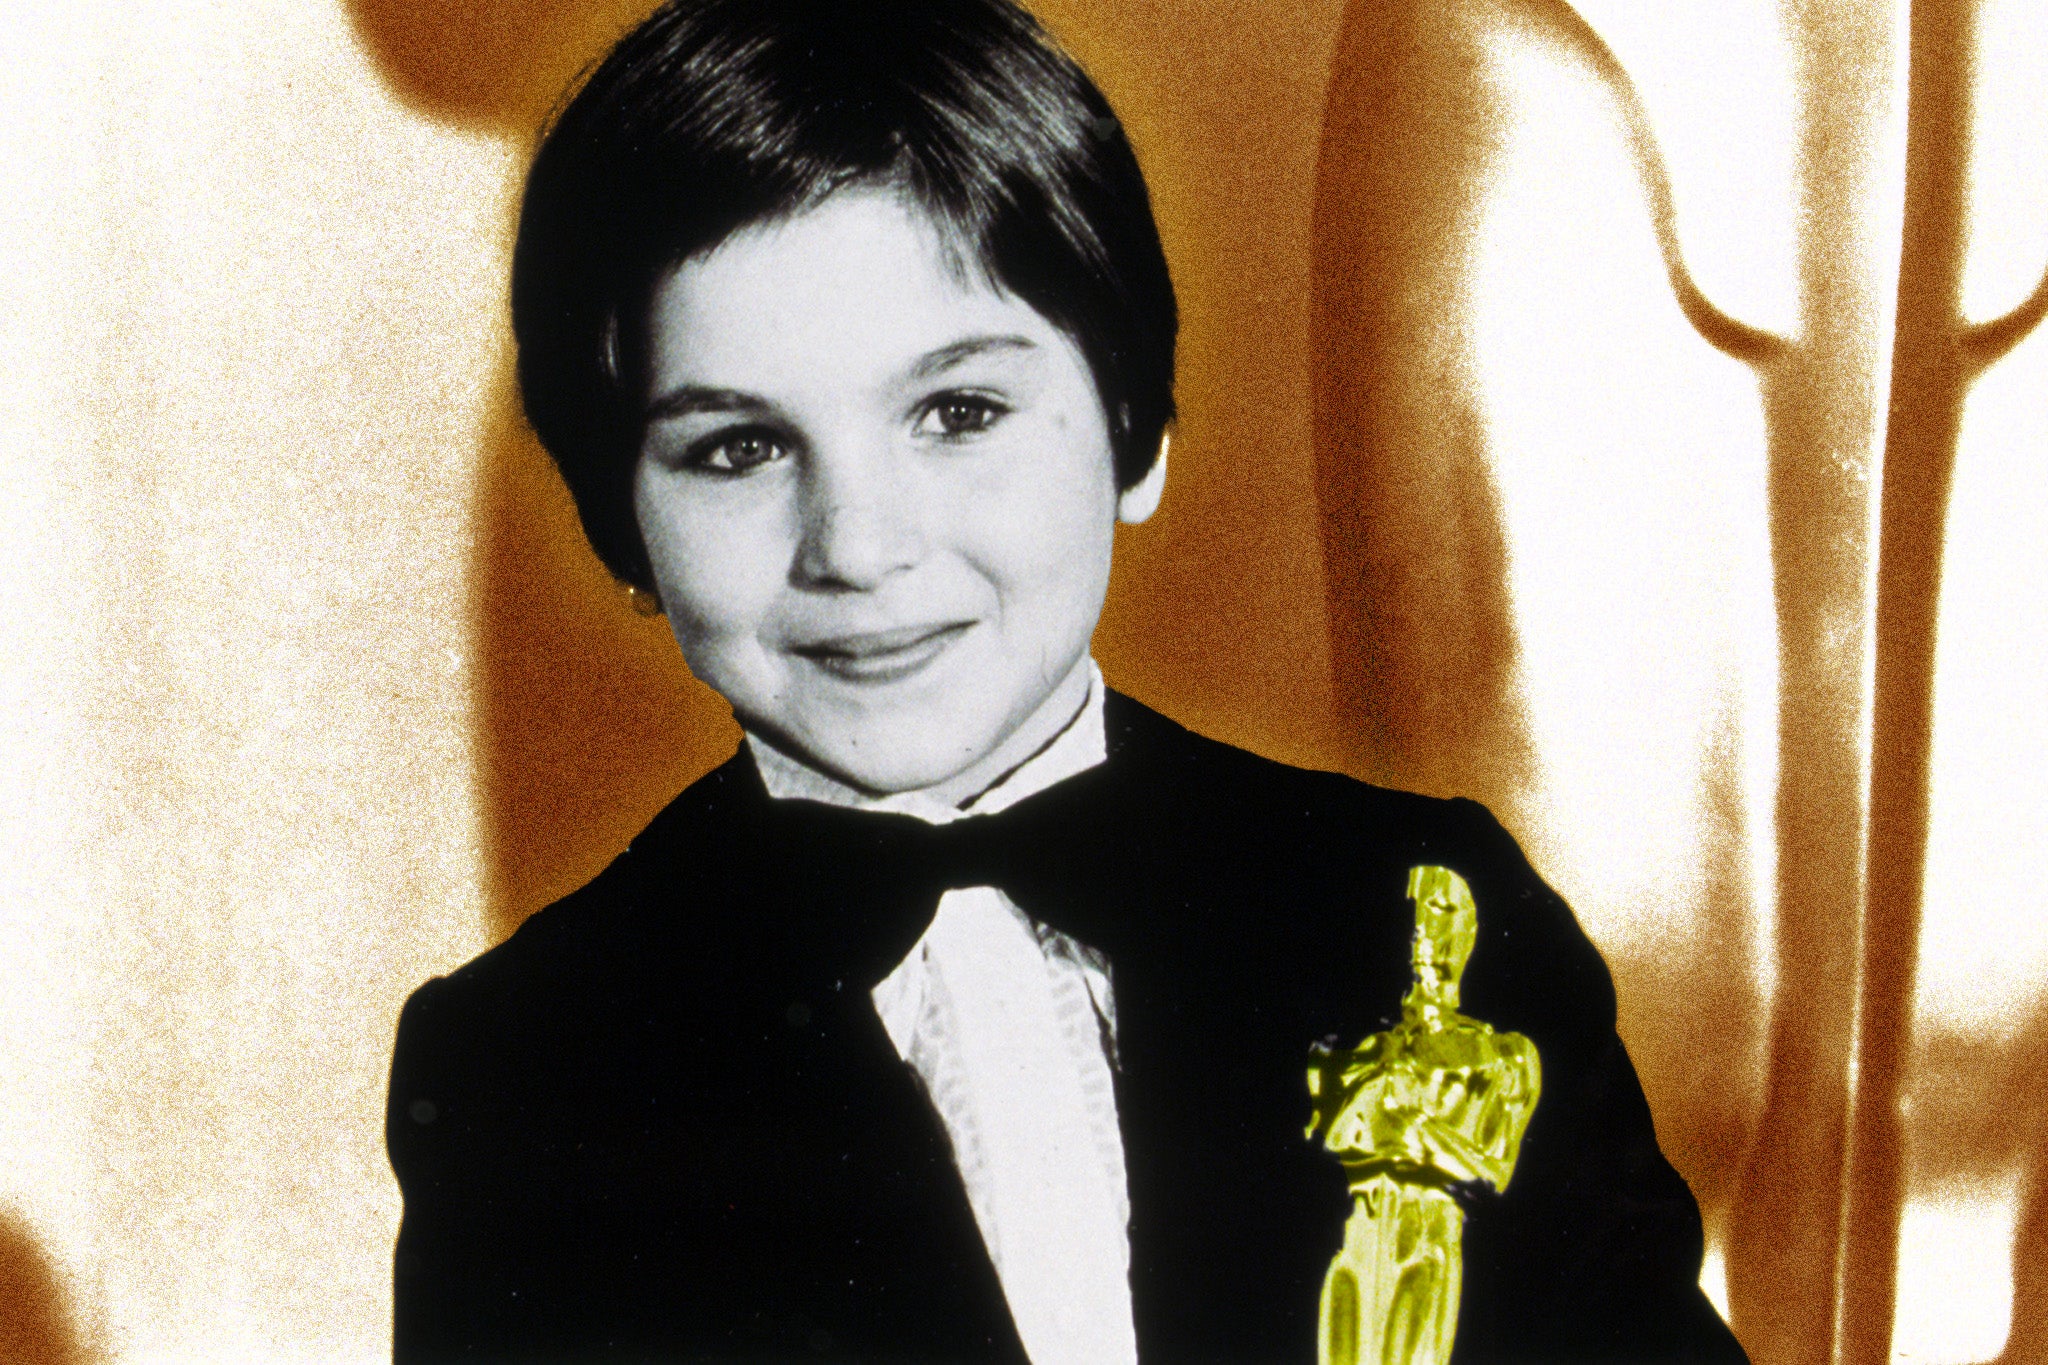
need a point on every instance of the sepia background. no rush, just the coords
(1628, 415)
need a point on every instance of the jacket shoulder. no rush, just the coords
(1244, 818)
(1244, 786)
(648, 889)
(594, 951)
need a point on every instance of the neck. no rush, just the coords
(1431, 997)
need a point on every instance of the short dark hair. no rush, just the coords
(717, 114)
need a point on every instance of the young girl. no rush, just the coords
(964, 1013)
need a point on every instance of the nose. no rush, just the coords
(860, 524)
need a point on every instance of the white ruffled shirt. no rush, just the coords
(1011, 1027)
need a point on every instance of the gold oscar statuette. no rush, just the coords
(1439, 1099)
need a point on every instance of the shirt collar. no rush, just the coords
(1079, 747)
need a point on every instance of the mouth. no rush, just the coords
(881, 656)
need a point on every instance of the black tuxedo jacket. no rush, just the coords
(663, 1121)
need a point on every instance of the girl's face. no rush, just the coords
(877, 497)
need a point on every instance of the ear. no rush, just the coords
(1141, 499)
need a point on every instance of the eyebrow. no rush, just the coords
(946, 357)
(692, 399)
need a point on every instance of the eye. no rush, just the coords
(951, 416)
(736, 452)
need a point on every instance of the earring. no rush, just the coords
(643, 602)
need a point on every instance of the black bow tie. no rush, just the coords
(861, 887)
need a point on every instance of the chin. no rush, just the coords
(900, 756)
(892, 748)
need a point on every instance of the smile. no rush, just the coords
(882, 656)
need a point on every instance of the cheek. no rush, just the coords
(719, 568)
(1048, 546)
